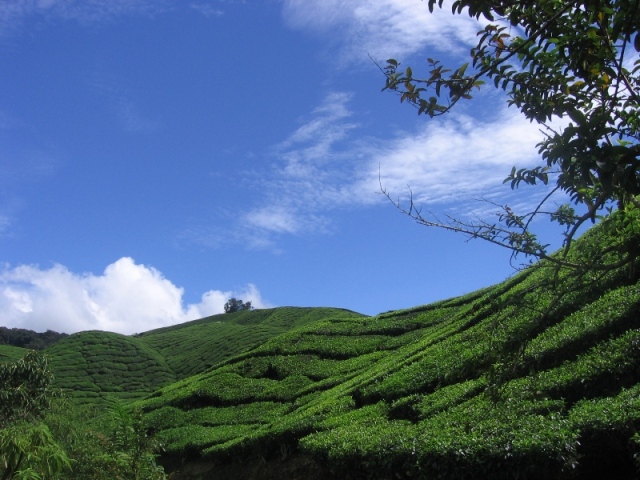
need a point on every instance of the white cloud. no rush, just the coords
(325, 167)
(275, 219)
(307, 179)
(383, 28)
(446, 161)
(127, 298)
(313, 146)
(206, 9)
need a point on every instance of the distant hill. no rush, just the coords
(192, 347)
(92, 366)
(537, 377)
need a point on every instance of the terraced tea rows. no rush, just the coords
(10, 353)
(537, 377)
(515, 381)
(192, 347)
(93, 365)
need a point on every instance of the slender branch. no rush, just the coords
(473, 230)
(589, 215)
(537, 209)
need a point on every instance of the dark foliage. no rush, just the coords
(20, 337)
(236, 305)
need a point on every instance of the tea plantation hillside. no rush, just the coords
(93, 366)
(192, 347)
(535, 378)
(11, 353)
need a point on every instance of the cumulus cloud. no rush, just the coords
(127, 298)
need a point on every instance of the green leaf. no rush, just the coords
(577, 116)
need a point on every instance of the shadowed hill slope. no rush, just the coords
(537, 378)
(192, 347)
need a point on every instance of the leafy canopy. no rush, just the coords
(25, 389)
(28, 450)
(555, 59)
(109, 443)
(236, 305)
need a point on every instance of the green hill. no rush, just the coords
(11, 353)
(93, 366)
(192, 347)
(90, 366)
(536, 378)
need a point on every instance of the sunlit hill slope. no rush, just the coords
(93, 366)
(534, 378)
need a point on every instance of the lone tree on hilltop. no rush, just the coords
(570, 59)
(236, 305)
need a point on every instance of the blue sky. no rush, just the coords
(160, 156)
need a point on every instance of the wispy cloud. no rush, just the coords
(445, 161)
(122, 103)
(383, 28)
(206, 9)
(323, 167)
(273, 219)
(14, 12)
(127, 298)
(312, 146)
(5, 224)
(20, 168)
(298, 190)
(305, 182)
